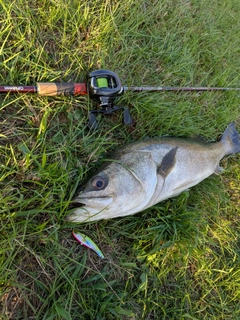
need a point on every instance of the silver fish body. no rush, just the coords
(144, 173)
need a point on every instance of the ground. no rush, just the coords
(176, 260)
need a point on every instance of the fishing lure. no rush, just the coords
(87, 242)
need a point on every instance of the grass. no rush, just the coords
(177, 260)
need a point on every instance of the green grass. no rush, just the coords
(178, 260)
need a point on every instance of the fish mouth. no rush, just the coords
(90, 202)
(75, 205)
(88, 209)
(78, 212)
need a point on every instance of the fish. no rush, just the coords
(144, 173)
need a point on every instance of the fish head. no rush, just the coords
(121, 188)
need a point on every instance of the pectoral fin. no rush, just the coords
(168, 163)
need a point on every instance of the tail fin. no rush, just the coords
(231, 139)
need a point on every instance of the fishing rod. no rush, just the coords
(103, 86)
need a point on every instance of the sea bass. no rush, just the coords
(144, 173)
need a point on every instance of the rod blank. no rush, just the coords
(18, 89)
(166, 88)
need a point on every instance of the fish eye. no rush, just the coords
(99, 183)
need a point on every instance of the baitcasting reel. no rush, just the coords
(104, 86)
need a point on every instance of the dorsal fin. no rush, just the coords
(168, 163)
